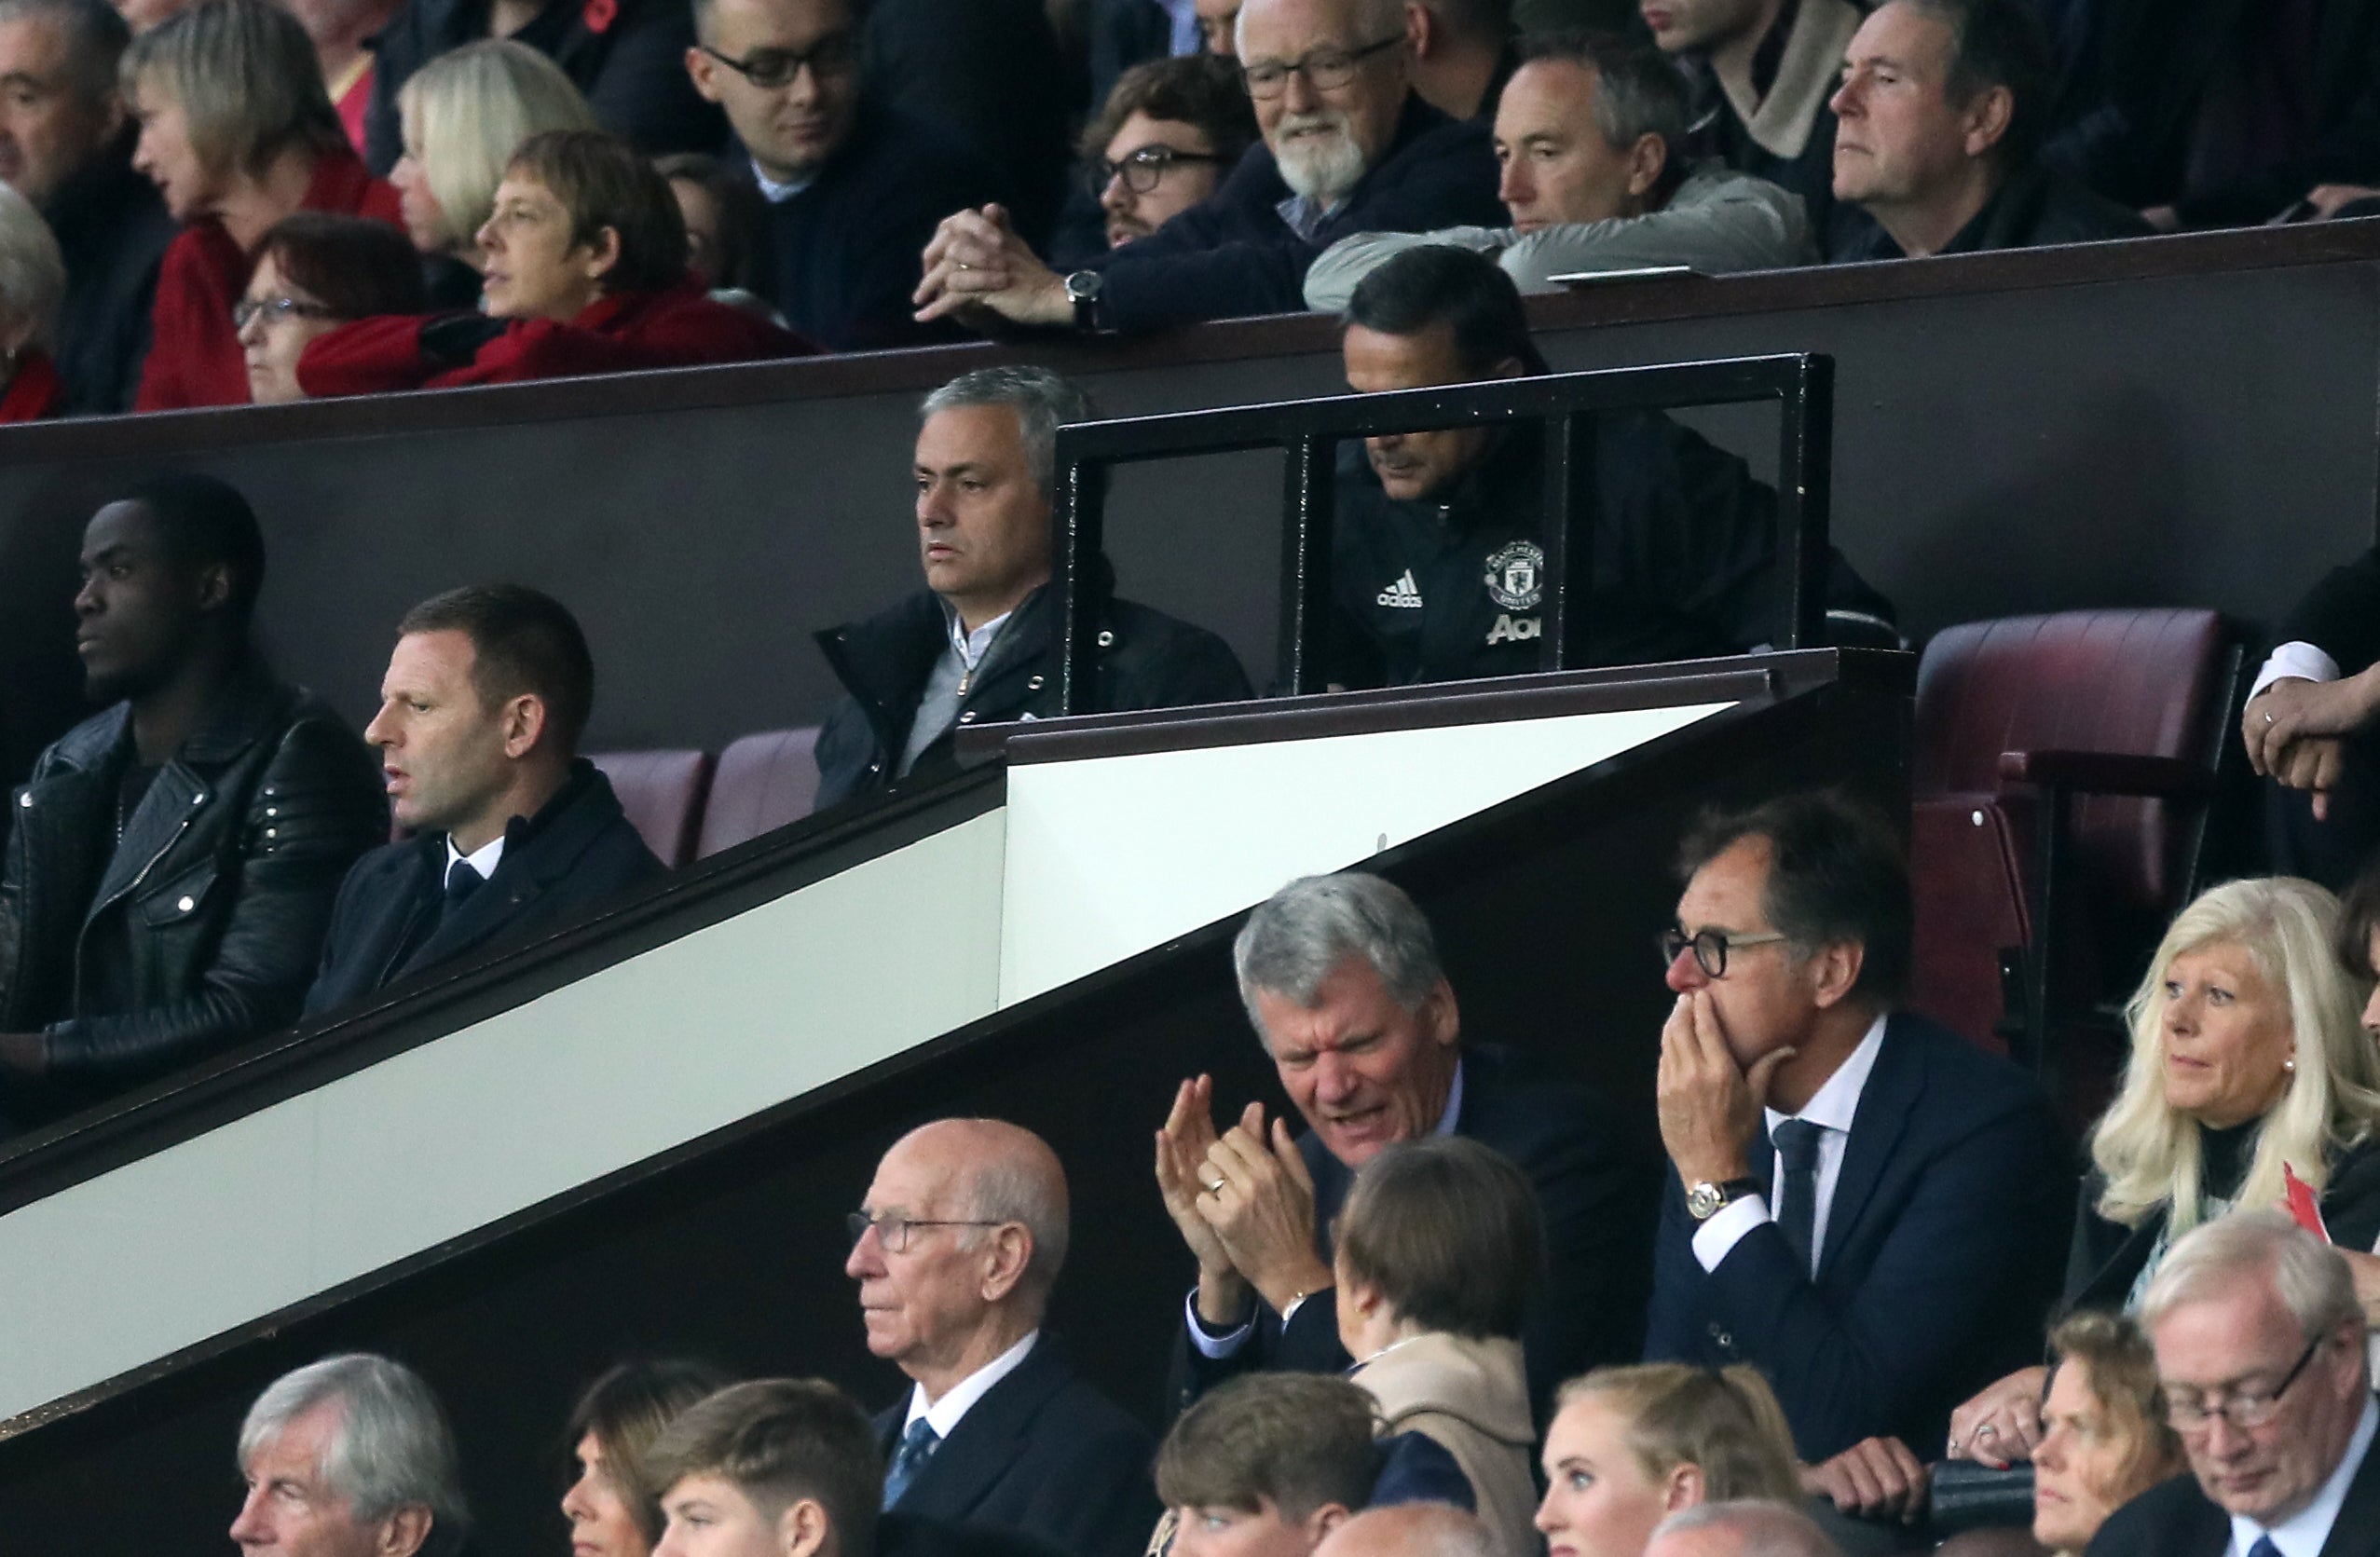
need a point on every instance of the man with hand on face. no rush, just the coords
(955, 1250)
(173, 858)
(1863, 1206)
(982, 642)
(512, 834)
(1348, 147)
(1939, 123)
(855, 187)
(1591, 130)
(1341, 979)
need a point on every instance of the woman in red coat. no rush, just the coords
(33, 281)
(238, 132)
(585, 269)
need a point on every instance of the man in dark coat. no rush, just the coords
(1343, 984)
(1348, 147)
(956, 1246)
(175, 856)
(512, 834)
(983, 643)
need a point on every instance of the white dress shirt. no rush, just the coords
(957, 1401)
(2298, 659)
(2304, 1535)
(1834, 1105)
(482, 859)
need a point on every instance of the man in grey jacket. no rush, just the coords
(1587, 132)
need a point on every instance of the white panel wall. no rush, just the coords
(1111, 856)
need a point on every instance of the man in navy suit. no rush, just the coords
(955, 1250)
(1341, 978)
(1863, 1206)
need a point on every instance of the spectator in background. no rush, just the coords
(1763, 70)
(1341, 982)
(854, 183)
(1440, 1254)
(772, 1468)
(1124, 33)
(67, 144)
(343, 31)
(463, 115)
(1462, 52)
(32, 279)
(623, 55)
(314, 273)
(956, 1248)
(1268, 1464)
(727, 239)
(350, 1454)
(982, 641)
(2308, 727)
(1413, 1530)
(1219, 26)
(1348, 147)
(487, 695)
(1939, 123)
(1171, 132)
(1591, 130)
(584, 267)
(1903, 1170)
(1741, 1529)
(614, 1507)
(236, 133)
(2105, 1438)
(1630, 1446)
(175, 854)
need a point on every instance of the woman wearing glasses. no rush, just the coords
(315, 272)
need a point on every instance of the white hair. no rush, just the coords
(2307, 1275)
(1764, 1529)
(33, 273)
(392, 1450)
(1298, 935)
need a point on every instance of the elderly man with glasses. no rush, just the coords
(854, 186)
(955, 1250)
(2260, 1345)
(1348, 147)
(1865, 1206)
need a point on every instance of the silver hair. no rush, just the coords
(1368, 19)
(392, 1447)
(2307, 1273)
(33, 273)
(1299, 933)
(95, 37)
(1005, 1189)
(1042, 400)
(1766, 1529)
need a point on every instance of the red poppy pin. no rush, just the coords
(598, 15)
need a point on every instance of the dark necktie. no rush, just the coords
(917, 1447)
(1796, 1212)
(2264, 1547)
(462, 879)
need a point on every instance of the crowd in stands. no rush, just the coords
(864, 173)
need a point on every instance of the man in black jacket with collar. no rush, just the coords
(982, 642)
(513, 835)
(173, 857)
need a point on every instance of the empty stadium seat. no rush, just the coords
(764, 781)
(663, 792)
(2064, 766)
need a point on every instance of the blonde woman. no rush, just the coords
(33, 282)
(464, 115)
(1628, 1447)
(2248, 1062)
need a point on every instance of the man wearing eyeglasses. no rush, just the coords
(955, 1250)
(2259, 1344)
(1865, 1206)
(1348, 147)
(853, 188)
(1170, 132)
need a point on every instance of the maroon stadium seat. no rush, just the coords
(662, 793)
(764, 781)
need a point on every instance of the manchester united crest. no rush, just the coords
(1516, 576)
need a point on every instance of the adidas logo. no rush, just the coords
(1404, 591)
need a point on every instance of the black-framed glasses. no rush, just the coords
(2242, 1408)
(1141, 170)
(1326, 70)
(894, 1231)
(1710, 947)
(273, 310)
(770, 69)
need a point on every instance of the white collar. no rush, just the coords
(482, 859)
(943, 1415)
(972, 646)
(775, 193)
(1836, 1103)
(2302, 1533)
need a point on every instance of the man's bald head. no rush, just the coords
(1002, 1172)
(1410, 1529)
(1745, 1528)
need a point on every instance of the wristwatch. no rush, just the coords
(1082, 290)
(1705, 1201)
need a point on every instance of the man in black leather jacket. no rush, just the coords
(175, 856)
(981, 643)
(513, 835)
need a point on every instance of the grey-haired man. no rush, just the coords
(349, 1456)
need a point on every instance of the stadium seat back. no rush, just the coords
(764, 781)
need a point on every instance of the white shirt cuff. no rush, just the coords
(1716, 1239)
(1209, 1344)
(2298, 659)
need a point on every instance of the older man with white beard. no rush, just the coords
(1347, 147)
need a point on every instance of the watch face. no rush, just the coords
(1703, 1200)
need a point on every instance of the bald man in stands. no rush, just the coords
(1412, 1530)
(955, 1250)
